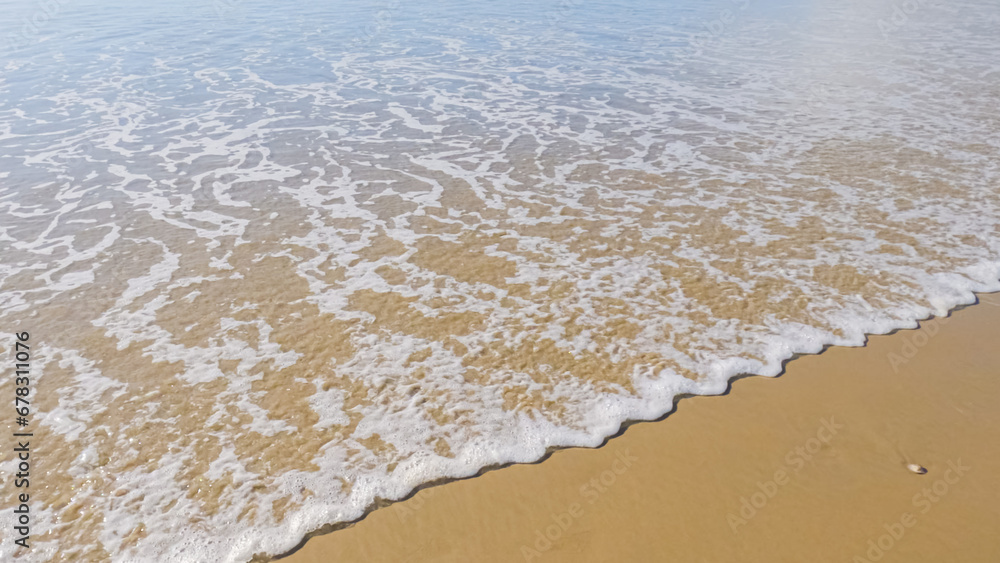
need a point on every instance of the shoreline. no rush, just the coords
(434, 501)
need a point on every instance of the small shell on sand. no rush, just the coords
(919, 470)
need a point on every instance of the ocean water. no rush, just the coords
(281, 259)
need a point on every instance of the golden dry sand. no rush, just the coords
(829, 441)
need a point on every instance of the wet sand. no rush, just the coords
(809, 466)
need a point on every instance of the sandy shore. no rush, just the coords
(810, 466)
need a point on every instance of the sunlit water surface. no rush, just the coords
(281, 259)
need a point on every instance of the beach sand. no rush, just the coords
(810, 466)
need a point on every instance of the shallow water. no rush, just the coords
(278, 261)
